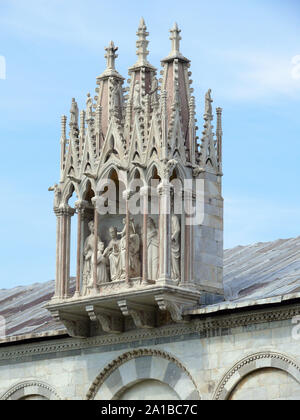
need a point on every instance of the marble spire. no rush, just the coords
(175, 46)
(111, 57)
(142, 45)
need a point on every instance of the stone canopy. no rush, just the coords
(149, 200)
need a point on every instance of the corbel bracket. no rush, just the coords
(76, 325)
(143, 315)
(174, 306)
(111, 321)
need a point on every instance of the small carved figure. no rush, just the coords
(57, 195)
(74, 114)
(153, 252)
(133, 251)
(115, 97)
(175, 248)
(137, 96)
(89, 107)
(113, 254)
(88, 251)
(208, 103)
(154, 89)
(102, 275)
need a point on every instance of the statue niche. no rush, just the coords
(133, 251)
(102, 262)
(89, 260)
(152, 249)
(87, 273)
(175, 248)
(112, 252)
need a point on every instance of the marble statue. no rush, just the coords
(115, 95)
(153, 92)
(152, 250)
(208, 103)
(175, 248)
(89, 107)
(133, 251)
(112, 252)
(57, 195)
(88, 252)
(74, 113)
(102, 274)
(137, 96)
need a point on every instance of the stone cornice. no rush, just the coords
(194, 327)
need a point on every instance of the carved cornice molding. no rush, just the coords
(251, 363)
(195, 326)
(126, 357)
(248, 318)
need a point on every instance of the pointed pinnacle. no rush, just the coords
(175, 49)
(141, 45)
(175, 38)
(142, 24)
(111, 55)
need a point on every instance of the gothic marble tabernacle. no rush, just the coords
(149, 314)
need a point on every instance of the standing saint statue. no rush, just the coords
(208, 103)
(175, 248)
(89, 107)
(74, 114)
(102, 275)
(137, 96)
(88, 252)
(113, 254)
(153, 92)
(152, 250)
(115, 97)
(133, 251)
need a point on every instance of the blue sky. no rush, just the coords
(242, 50)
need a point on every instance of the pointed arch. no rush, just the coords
(68, 192)
(152, 172)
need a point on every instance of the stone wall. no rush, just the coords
(257, 360)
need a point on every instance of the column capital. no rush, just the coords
(164, 187)
(81, 205)
(64, 210)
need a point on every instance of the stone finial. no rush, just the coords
(175, 38)
(175, 49)
(111, 56)
(219, 119)
(142, 43)
(219, 134)
(63, 127)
